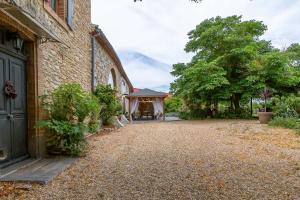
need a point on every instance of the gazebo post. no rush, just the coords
(130, 117)
(164, 113)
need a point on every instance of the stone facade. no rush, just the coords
(57, 53)
(108, 68)
(70, 60)
(104, 66)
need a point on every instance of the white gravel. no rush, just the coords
(182, 160)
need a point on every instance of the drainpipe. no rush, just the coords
(93, 63)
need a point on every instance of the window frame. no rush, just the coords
(62, 22)
(52, 4)
(123, 86)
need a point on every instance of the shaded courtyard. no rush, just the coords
(181, 160)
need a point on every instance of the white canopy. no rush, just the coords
(134, 105)
(158, 106)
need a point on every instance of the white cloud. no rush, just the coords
(158, 28)
(146, 72)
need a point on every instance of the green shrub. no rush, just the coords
(291, 123)
(94, 124)
(228, 114)
(287, 107)
(69, 109)
(184, 115)
(173, 104)
(110, 105)
(194, 114)
(224, 114)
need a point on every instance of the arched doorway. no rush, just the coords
(112, 79)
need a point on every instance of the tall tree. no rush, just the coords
(293, 53)
(224, 49)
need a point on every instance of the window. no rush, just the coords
(112, 78)
(53, 4)
(123, 87)
(70, 13)
(61, 10)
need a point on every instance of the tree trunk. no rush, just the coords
(208, 109)
(236, 101)
(216, 107)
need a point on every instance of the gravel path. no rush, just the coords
(182, 160)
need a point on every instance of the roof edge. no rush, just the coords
(103, 41)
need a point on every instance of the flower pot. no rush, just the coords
(264, 117)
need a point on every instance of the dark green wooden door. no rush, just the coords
(13, 122)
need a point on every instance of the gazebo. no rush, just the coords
(147, 103)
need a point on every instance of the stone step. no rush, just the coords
(37, 171)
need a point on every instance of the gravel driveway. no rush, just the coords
(182, 160)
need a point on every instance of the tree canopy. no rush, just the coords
(232, 63)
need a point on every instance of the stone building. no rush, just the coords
(44, 43)
(108, 67)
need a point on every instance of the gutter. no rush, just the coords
(93, 40)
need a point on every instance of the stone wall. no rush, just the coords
(104, 65)
(53, 63)
(69, 61)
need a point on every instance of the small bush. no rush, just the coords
(69, 108)
(173, 105)
(287, 107)
(94, 124)
(194, 114)
(244, 113)
(291, 123)
(110, 106)
(94, 127)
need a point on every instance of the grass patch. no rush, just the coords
(291, 123)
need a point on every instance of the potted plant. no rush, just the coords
(264, 115)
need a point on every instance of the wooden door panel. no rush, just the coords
(18, 108)
(13, 120)
(5, 136)
(5, 140)
(3, 78)
(17, 69)
(19, 137)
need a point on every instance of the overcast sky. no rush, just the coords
(158, 28)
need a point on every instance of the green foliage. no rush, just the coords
(68, 108)
(193, 114)
(173, 104)
(69, 102)
(109, 102)
(291, 123)
(94, 125)
(231, 63)
(287, 107)
(293, 54)
(277, 74)
(64, 137)
(287, 112)
(228, 114)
